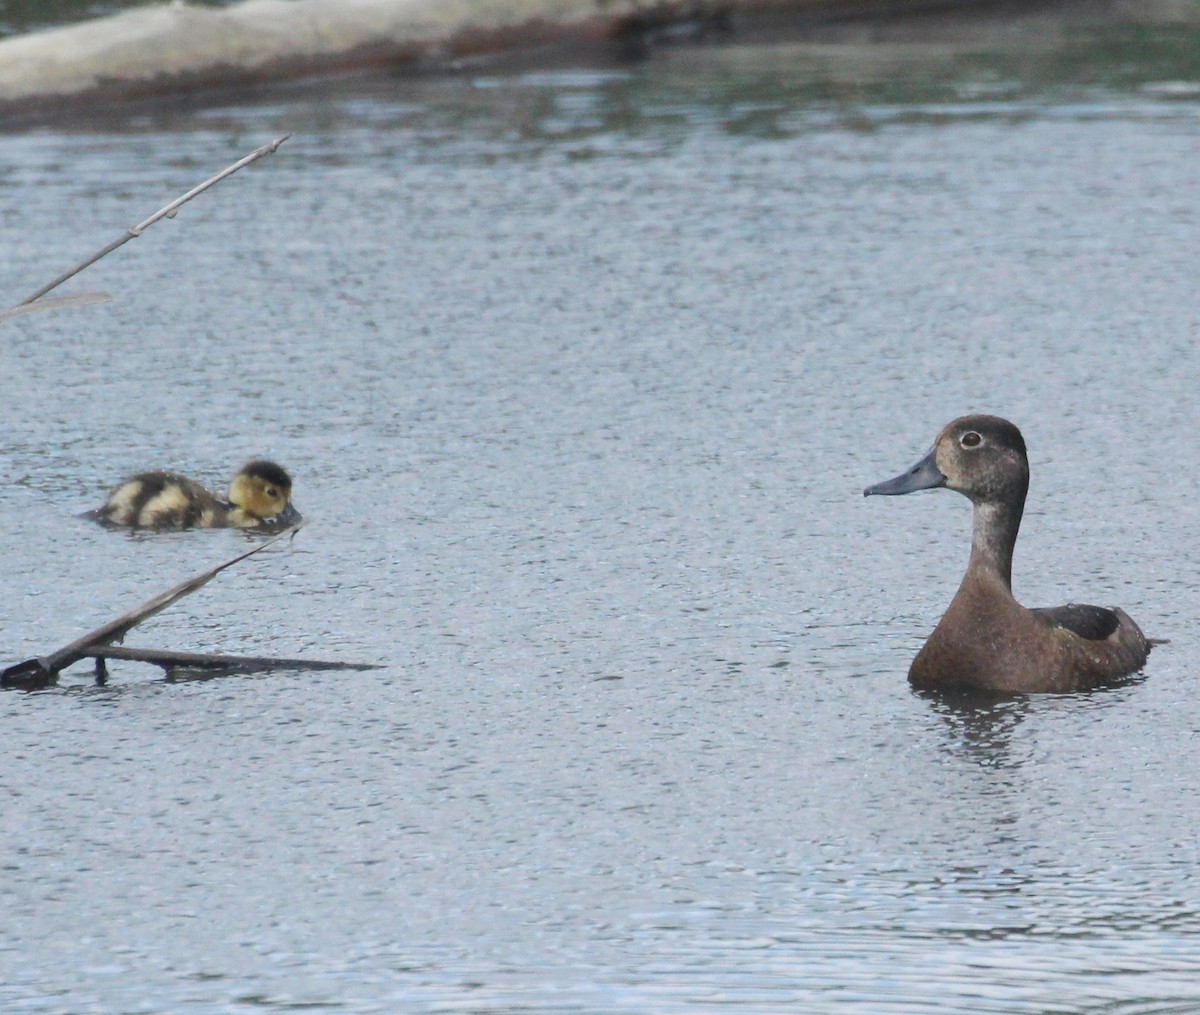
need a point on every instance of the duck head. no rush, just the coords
(982, 457)
(264, 489)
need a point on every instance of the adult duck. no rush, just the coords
(986, 640)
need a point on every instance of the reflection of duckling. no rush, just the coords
(259, 497)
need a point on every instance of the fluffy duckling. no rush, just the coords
(259, 498)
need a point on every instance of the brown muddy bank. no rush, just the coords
(169, 50)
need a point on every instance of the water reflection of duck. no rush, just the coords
(987, 640)
(259, 498)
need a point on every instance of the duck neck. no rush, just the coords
(995, 534)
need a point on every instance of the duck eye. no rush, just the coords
(970, 439)
(270, 491)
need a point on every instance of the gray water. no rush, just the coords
(580, 375)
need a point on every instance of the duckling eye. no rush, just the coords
(970, 439)
(271, 491)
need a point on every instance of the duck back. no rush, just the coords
(162, 500)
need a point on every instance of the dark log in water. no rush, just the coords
(97, 644)
(48, 667)
(172, 661)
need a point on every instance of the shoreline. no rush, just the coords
(175, 50)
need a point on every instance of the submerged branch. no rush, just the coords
(170, 660)
(45, 668)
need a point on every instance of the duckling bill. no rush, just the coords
(259, 498)
(986, 640)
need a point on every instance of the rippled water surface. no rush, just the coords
(580, 376)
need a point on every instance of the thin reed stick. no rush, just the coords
(136, 231)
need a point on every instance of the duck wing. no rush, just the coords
(1095, 623)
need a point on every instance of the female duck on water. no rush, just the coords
(987, 640)
(259, 498)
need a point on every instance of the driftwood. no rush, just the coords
(171, 661)
(97, 644)
(168, 211)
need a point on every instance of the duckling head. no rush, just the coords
(982, 457)
(264, 490)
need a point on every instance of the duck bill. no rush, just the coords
(288, 516)
(925, 475)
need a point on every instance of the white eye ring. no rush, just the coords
(970, 439)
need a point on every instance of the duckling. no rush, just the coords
(987, 641)
(259, 498)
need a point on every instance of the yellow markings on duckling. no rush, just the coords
(120, 508)
(172, 500)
